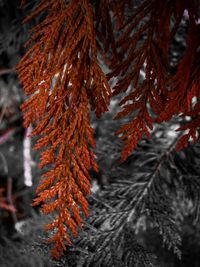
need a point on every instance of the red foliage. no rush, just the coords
(62, 74)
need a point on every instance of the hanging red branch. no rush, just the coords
(63, 76)
(61, 73)
(144, 45)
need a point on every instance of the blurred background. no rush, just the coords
(21, 225)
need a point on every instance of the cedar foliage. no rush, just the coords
(62, 73)
(156, 189)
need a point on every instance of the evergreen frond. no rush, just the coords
(144, 45)
(152, 191)
(61, 73)
(64, 78)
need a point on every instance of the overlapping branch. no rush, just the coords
(61, 73)
(144, 45)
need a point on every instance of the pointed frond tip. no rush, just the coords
(62, 75)
(64, 78)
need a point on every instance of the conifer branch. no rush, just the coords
(61, 73)
(154, 183)
(63, 77)
(145, 44)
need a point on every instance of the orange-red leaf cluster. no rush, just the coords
(63, 76)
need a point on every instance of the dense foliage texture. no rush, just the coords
(75, 52)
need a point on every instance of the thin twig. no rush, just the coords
(9, 199)
(7, 71)
(27, 157)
